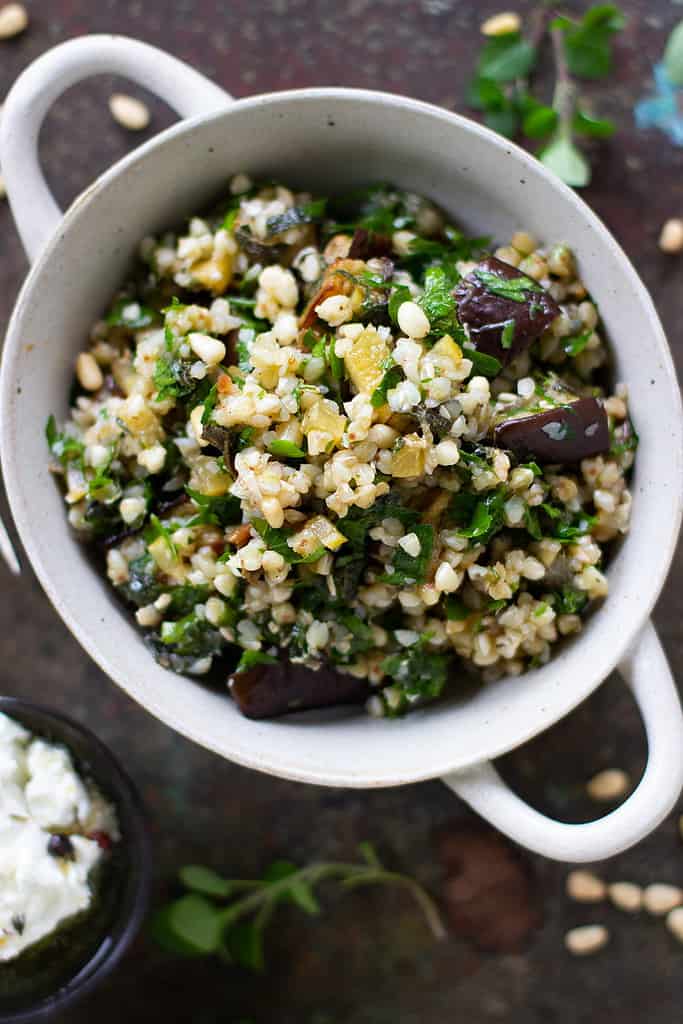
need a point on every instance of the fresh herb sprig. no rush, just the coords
(228, 918)
(502, 87)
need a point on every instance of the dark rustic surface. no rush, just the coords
(369, 959)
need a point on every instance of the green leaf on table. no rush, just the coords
(563, 158)
(194, 922)
(673, 56)
(539, 122)
(505, 122)
(205, 881)
(592, 127)
(244, 944)
(505, 58)
(588, 41)
(485, 94)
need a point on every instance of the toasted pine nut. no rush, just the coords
(501, 24)
(585, 887)
(660, 898)
(674, 922)
(608, 785)
(88, 372)
(671, 236)
(129, 112)
(587, 939)
(13, 20)
(626, 896)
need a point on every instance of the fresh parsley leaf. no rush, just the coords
(438, 302)
(392, 377)
(65, 448)
(593, 127)
(488, 517)
(276, 540)
(223, 510)
(308, 213)
(408, 569)
(209, 404)
(286, 449)
(508, 335)
(400, 293)
(418, 673)
(569, 601)
(157, 529)
(131, 314)
(249, 659)
(574, 345)
(191, 636)
(482, 363)
(515, 289)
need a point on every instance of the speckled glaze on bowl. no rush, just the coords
(125, 912)
(330, 139)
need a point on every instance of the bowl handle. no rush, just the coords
(35, 211)
(646, 670)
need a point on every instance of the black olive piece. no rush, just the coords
(61, 846)
(567, 433)
(501, 326)
(267, 691)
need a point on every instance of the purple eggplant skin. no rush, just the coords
(268, 691)
(488, 315)
(367, 245)
(567, 433)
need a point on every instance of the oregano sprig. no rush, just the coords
(502, 87)
(228, 917)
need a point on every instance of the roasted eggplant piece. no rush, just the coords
(367, 245)
(220, 441)
(259, 252)
(504, 309)
(567, 433)
(266, 691)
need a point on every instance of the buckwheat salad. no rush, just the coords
(333, 450)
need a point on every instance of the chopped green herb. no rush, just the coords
(508, 335)
(393, 376)
(409, 569)
(249, 659)
(131, 314)
(286, 449)
(515, 289)
(157, 529)
(309, 213)
(223, 510)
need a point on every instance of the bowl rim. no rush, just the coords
(603, 661)
(105, 958)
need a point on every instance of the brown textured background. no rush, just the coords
(368, 960)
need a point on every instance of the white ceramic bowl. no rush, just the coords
(327, 139)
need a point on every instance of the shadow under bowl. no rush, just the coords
(62, 968)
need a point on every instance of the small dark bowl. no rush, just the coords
(64, 968)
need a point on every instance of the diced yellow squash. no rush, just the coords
(324, 416)
(163, 555)
(366, 361)
(409, 459)
(214, 274)
(207, 478)
(447, 347)
(318, 530)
